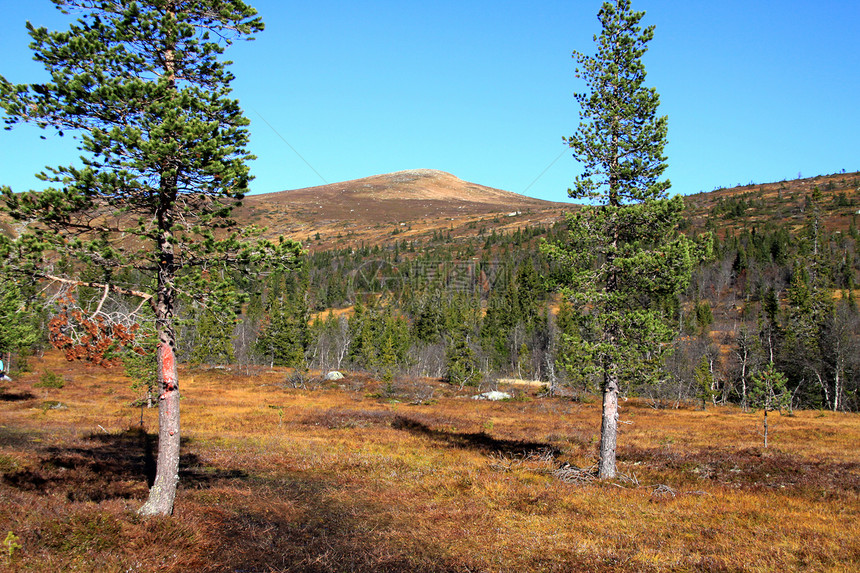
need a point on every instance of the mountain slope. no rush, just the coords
(415, 203)
(782, 204)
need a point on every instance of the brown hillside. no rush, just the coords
(407, 204)
(413, 205)
(410, 205)
(782, 204)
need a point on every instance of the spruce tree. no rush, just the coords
(285, 333)
(18, 331)
(461, 365)
(623, 251)
(142, 87)
(213, 338)
(703, 380)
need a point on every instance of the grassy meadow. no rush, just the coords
(280, 474)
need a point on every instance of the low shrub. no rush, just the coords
(50, 380)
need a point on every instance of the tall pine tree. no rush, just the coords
(623, 251)
(144, 90)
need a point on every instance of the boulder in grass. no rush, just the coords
(493, 396)
(334, 375)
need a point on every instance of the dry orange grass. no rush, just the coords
(335, 479)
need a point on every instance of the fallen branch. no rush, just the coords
(107, 287)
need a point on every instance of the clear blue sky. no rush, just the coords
(755, 91)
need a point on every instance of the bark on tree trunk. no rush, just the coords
(609, 427)
(163, 491)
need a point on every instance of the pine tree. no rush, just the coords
(704, 382)
(623, 252)
(768, 393)
(144, 90)
(17, 329)
(573, 356)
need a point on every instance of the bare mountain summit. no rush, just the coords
(424, 198)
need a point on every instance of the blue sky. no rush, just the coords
(755, 91)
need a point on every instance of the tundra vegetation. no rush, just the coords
(364, 475)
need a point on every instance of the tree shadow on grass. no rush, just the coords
(16, 396)
(106, 466)
(283, 522)
(475, 440)
(309, 524)
(753, 469)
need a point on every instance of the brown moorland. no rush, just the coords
(412, 205)
(281, 473)
(405, 205)
(780, 204)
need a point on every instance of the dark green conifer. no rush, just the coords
(18, 331)
(623, 251)
(144, 90)
(768, 393)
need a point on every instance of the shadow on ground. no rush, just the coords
(102, 467)
(753, 468)
(16, 396)
(302, 523)
(229, 520)
(475, 440)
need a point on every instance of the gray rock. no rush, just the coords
(334, 375)
(493, 396)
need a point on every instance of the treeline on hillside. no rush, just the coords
(474, 311)
(471, 311)
(463, 320)
(772, 297)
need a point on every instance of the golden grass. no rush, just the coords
(277, 479)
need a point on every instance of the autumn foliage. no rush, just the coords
(93, 339)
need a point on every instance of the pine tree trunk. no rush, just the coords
(609, 427)
(163, 491)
